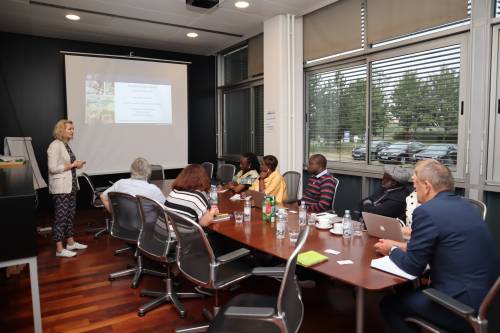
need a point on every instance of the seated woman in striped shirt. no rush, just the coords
(189, 195)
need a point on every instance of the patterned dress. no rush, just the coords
(65, 206)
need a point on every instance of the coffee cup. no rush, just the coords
(337, 228)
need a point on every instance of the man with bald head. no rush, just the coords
(450, 236)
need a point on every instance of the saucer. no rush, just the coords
(336, 233)
(323, 227)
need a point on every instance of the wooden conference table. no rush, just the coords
(262, 236)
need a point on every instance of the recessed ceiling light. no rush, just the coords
(241, 4)
(192, 34)
(72, 17)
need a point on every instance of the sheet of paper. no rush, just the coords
(387, 265)
(331, 251)
(345, 262)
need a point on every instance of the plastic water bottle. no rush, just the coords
(302, 214)
(214, 196)
(281, 223)
(347, 224)
(247, 211)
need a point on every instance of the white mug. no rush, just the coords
(337, 228)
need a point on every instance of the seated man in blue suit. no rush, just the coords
(449, 235)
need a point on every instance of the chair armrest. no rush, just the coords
(269, 271)
(231, 256)
(449, 302)
(101, 189)
(247, 312)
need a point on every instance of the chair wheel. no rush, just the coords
(111, 279)
(182, 314)
(133, 286)
(140, 314)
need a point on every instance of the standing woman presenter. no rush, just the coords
(63, 185)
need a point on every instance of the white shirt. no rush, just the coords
(324, 172)
(137, 187)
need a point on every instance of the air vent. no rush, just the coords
(202, 3)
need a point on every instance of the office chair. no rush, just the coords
(260, 313)
(337, 185)
(157, 172)
(225, 173)
(197, 262)
(209, 168)
(156, 243)
(292, 180)
(126, 226)
(482, 321)
(95, 201)
(479, 205)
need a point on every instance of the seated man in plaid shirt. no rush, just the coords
(320, 189)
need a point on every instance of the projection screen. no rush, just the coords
(123, 109)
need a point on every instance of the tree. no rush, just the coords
(410, 103)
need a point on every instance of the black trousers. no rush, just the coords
(414, 303)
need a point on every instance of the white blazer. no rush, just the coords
(59, 180)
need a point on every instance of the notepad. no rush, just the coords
(310, 258)
(387, 265)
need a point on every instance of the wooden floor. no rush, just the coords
(76, 295)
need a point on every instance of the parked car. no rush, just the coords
(446, 153)
(400, 152)
(359, 153)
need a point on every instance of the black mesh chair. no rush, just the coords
(156, 243)
(337, 185)
(127, 226)
(95, 201)
(209, 168)
(196, 260)
(260, 313)
(157, 172)
(292, 180)
(482, 321)
(479, 205)
(225, 173)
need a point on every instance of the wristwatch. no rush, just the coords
(392, 249)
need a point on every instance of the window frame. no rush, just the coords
(357, 168)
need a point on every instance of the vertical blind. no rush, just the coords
(259, 120)
(237, 122)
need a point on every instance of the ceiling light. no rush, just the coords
(72, 17)
(192, 34)
(241, 4)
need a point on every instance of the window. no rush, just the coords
(236, 65)
(337, 108)
(241, 103)
(415, 106)
(413, 110)
(243, 124)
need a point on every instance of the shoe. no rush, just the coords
(76, 246)
(65, 253)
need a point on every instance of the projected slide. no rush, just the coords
(108, 102)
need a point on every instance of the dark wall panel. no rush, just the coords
(32, 91)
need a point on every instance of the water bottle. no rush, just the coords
(302, 214)
(281, 223)
(272, 216)
(247, 211)
(214, 196)
(266, 209)
(347, 224)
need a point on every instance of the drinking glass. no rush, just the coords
(238, 216)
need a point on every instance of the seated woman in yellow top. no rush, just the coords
(248, 174)
(270, 180)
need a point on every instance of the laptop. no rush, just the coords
(383, 227)
(257, 197)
